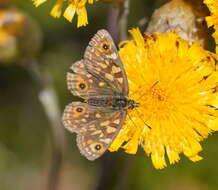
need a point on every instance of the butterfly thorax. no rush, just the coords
(116, 103)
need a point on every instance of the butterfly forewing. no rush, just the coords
(102, 55)
(82, 83)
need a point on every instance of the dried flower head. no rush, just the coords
(212, 20)
(183, 17)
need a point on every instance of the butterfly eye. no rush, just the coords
(105, 46)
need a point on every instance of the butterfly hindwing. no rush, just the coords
(96, 137)
(78, 115)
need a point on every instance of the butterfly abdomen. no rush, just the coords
(116, 103)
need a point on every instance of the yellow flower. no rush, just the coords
(212, 20)
(74, 7)
(175, 84)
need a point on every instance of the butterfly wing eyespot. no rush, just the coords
(102, 51)
(75, 116)
(81, 83)
(84, 84)
(105, 46)
(78, 84)
(79, 109)
(97, 147)
(81, 117)
(91, 149)
(97, 136)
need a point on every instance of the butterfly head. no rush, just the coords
(131, 104)
(121, 103)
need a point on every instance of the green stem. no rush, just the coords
(49, 101)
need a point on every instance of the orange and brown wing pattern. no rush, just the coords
(96, 137)
(99, 76)
(102, 60)
(77, 115)
(84, 84)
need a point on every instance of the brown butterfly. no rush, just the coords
(100, 79)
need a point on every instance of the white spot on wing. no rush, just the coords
(112, 56)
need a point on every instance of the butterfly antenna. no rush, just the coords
(136, 91)
(139, 87)
(141, 118)
(146, 92)
(132, 120)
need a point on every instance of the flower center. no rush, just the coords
(158, 94)
(157, 101)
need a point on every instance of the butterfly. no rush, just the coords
(100, 79)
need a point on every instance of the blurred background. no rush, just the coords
(28, 158)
